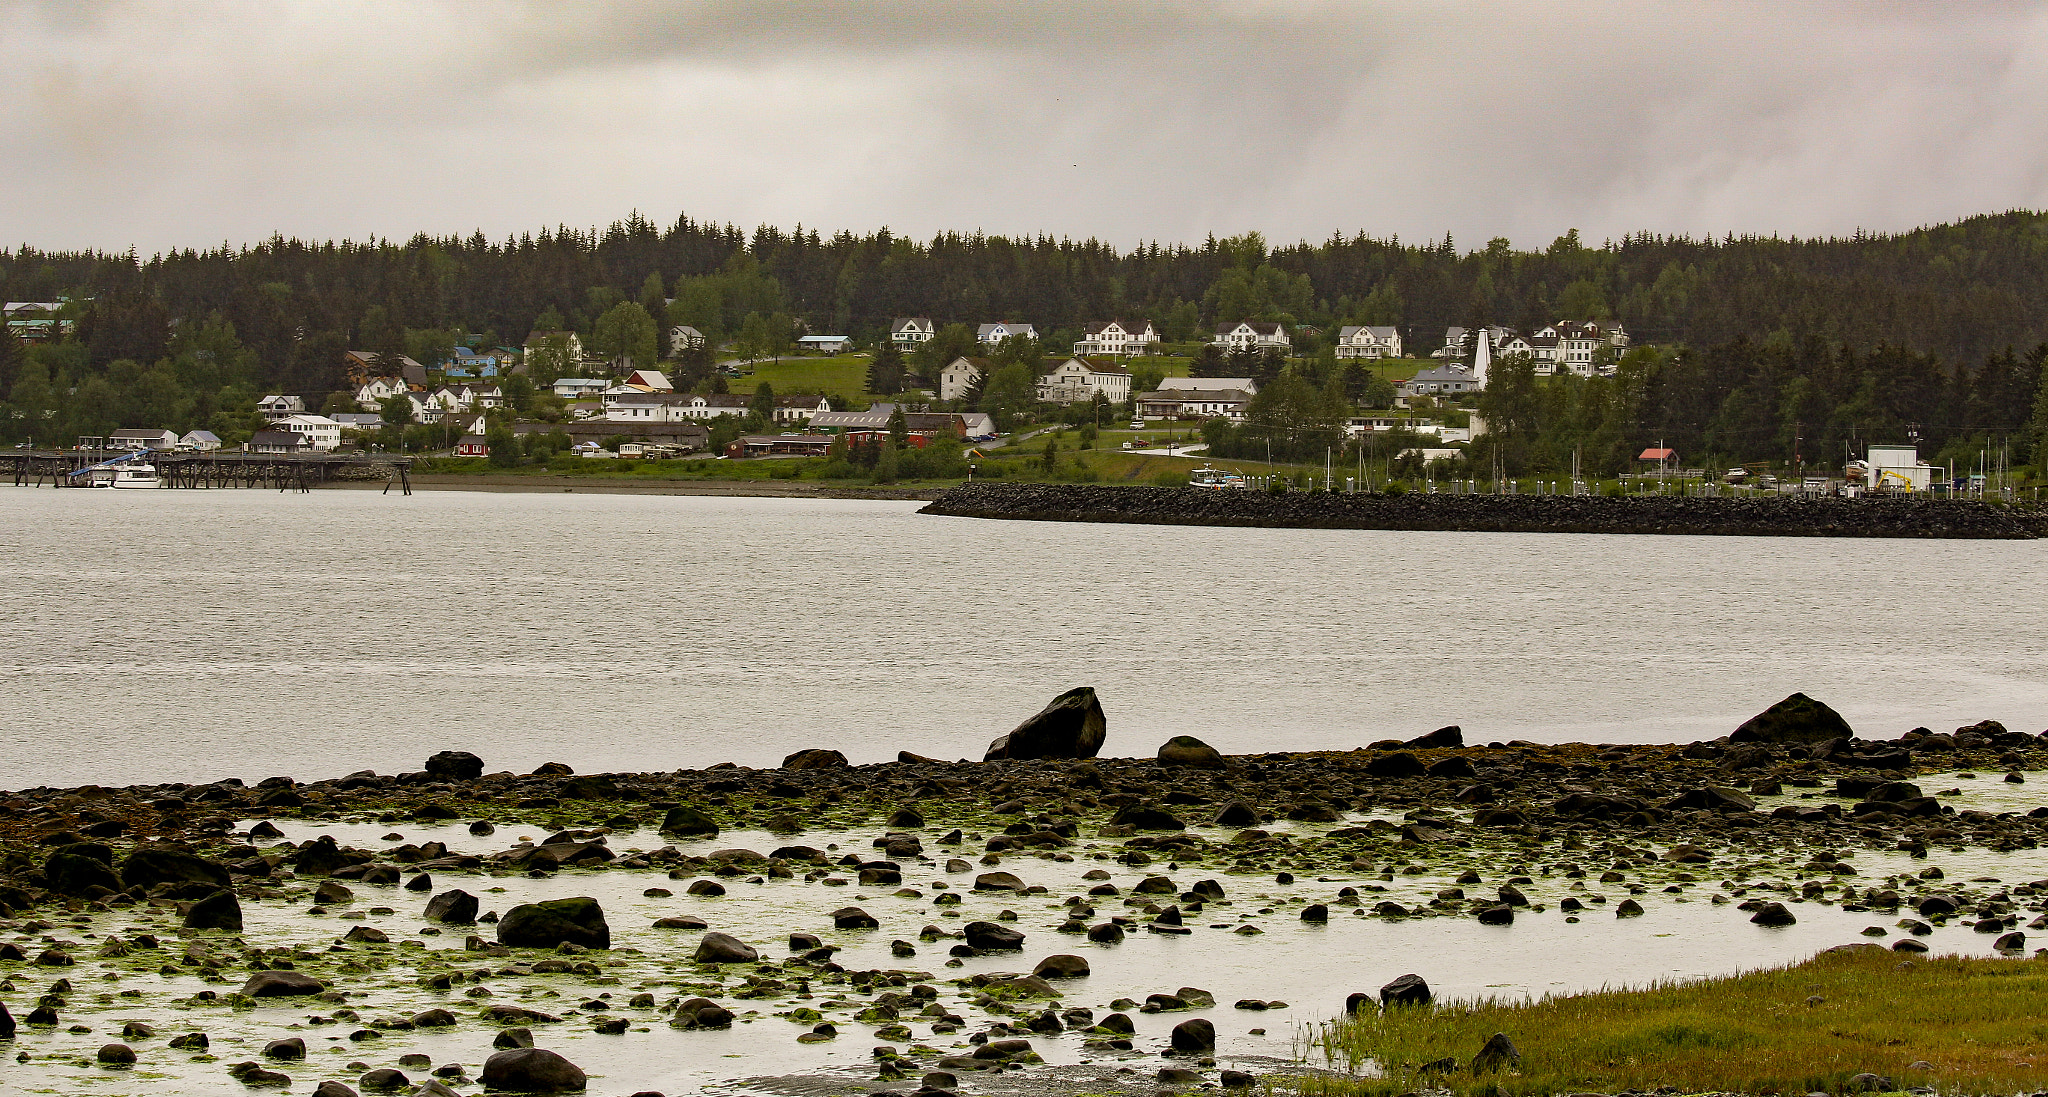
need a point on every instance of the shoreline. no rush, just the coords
(1259, 856)
(589, 485)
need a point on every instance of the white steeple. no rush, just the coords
(1481, 357)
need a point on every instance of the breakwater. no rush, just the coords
(1770, 516)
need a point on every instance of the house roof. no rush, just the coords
(1092, 365)
(799, 401)
(1655, 454)
(202, 436)
(1443, 373)
(982, 364)
(141, 432)
(1258, 326)
(715, 399)
(1196, 396)
(582, 382)
(911, 323)
(1135, 327)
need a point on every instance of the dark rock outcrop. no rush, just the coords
(281, 984)
(532, 1070)
(816, 758)
(455, 765)
(1408, 990)
(455, 908)
(1796, 719)
(221, 910)
(1071, 726)
(722, 948)
(578, 921)
(1190, 752)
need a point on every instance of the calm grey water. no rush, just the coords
(174, 635)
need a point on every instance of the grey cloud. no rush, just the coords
(169, 124)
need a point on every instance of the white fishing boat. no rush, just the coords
(127, 475)
(1214, 478)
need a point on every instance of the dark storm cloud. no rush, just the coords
(169, 124)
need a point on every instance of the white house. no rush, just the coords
(800, 409)
(275, 407)
(960, 376)
(142, 439)
(1368, 341)
(828, 344)
(205, 441)
(979, 425)
(469, 397)
(357, 420)
(1081, 378)
(1118, 337)
(710, 406)
(646, 407)
(576, 388)
(1252, 335)
(319, 432)
(376, 390)
(683, 337)
(989, 335)
(1179, 403)
(569, 341)
(910, 331)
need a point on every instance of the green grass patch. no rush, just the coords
(844, 376)
(1805, 1028)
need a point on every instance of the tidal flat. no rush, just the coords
(1011, 926)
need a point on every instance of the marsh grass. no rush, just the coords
(1981, 1024)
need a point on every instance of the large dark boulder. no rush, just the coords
(1072, 726)
(532, 1070)
(1398, 764)
(1796, 719)
(1408, 990)
(319, 857)
(77, 874)
(282, 984)
(990, 937)
(722, 948)
(148, 866)
(1190, 752)
(816, 759)
(1194, 1037)
(221, 910)
(1452, 736)
(455, 908)
(455, 765)
(1712, 798)
(688, 822)
(579, 921)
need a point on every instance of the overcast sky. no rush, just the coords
(189, 123)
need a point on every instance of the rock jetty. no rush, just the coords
(1773, 516)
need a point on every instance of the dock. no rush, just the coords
(214, 469)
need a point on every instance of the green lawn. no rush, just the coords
(844, 376)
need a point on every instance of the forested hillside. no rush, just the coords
(1914, 325)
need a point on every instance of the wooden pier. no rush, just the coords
(215, 469)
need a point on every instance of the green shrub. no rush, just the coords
(1170, 479)
(1395, 487)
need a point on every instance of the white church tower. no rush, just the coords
(1482, 357)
